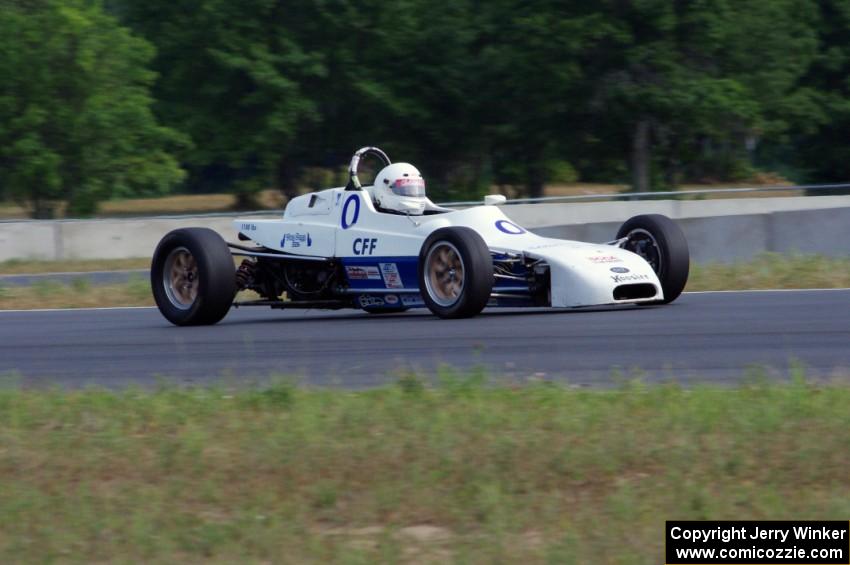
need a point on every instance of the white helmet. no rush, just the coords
(400, 187)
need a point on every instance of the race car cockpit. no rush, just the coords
(398, 187)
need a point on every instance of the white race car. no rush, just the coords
(387, 248)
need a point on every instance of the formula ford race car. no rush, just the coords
(387, 248)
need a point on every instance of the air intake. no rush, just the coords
(634, 291)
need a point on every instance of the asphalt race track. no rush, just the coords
(702, 337)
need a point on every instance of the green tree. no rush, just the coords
(231, 76)
(686, 86)
(657, 91)
(531, 86)
(266, 88)
(819, 146)
(405, 75)
(75, 109)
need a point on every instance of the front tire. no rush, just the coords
(193, 277)
(455, 272)
(660, 241)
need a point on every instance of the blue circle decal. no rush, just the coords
(343, 221)
(509, 227)
(620, 270)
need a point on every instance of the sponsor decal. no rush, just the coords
(347, 220)
(391, 299)
(620, 270)
(338, 196)
(367, 300)
(392, 278)
(248, 227)
(628, 278)
(604, 259)
(363, 273)
(507, 227)
(296, 240)
(364, 245)
(412, 300)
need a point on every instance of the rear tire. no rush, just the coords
(193, 277)
(660, 241)
(455, 272)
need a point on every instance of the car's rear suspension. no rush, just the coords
(245, 274)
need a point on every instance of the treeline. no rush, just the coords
(136, 97)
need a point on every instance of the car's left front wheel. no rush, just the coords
(193, 277)
(662, 244)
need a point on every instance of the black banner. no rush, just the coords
(758, 543)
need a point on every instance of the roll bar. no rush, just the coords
(353, 181)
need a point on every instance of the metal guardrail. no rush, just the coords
(809, 188)
(670, 193)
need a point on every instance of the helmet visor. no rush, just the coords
(409, 187)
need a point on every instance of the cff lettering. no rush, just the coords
(364, 245)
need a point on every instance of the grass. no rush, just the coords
(769, 270)
(79, 293)
(29, 266)
(773, 270)
(409, 473)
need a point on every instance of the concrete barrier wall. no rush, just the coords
(542, 215)
(717, 230)
(95, 239)
(127, 238)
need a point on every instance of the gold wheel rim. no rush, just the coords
(444, 273)
(180, 278)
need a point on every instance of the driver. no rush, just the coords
(399, 188)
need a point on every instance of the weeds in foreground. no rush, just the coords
(408, 473)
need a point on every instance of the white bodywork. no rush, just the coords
(345, 224)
